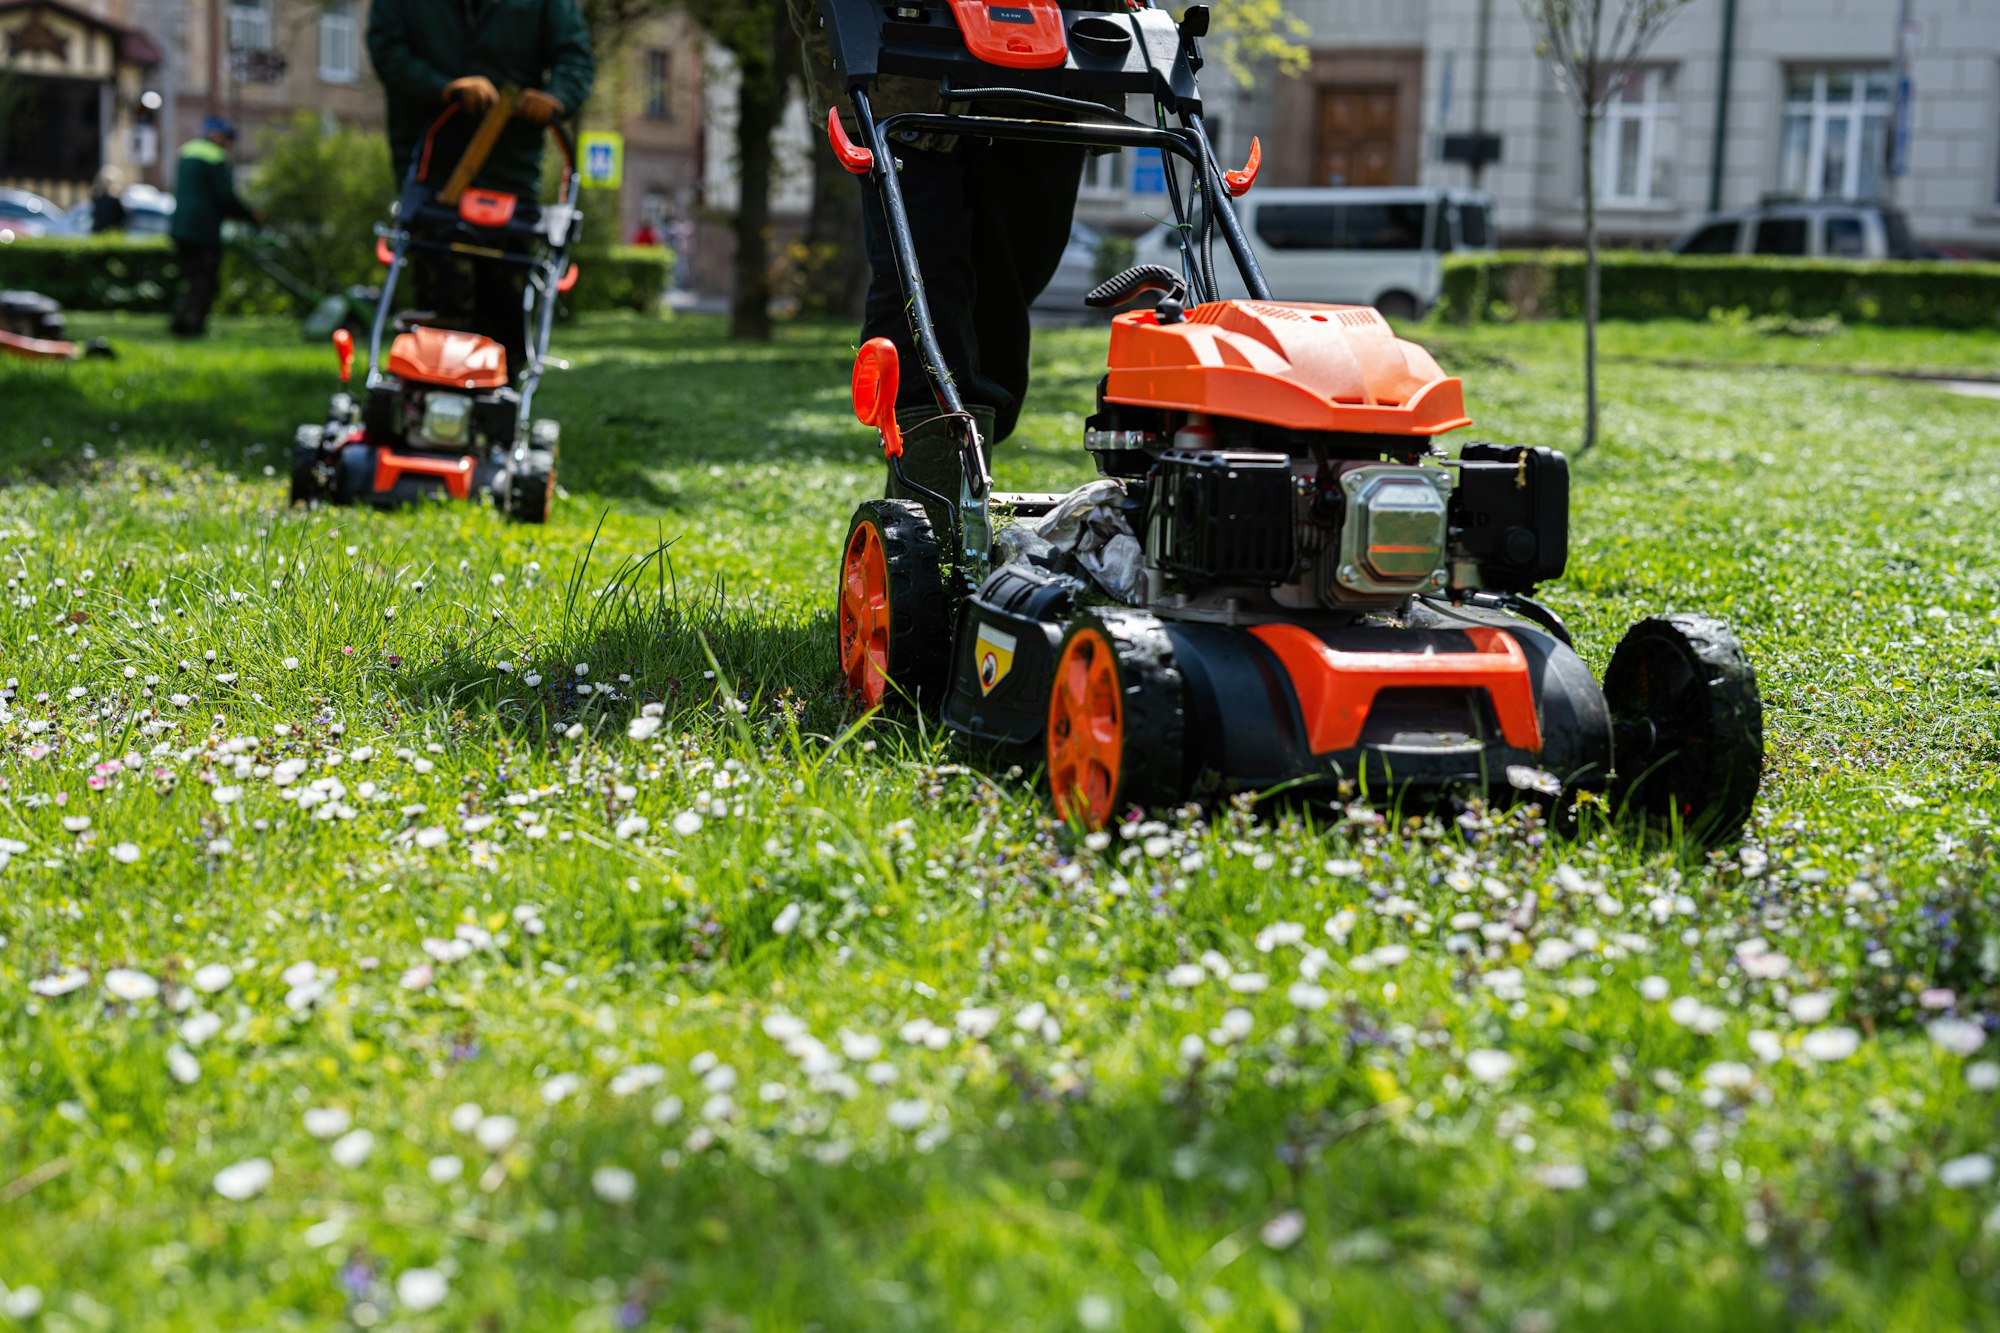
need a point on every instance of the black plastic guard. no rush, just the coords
(1008, 634)
(1246, 731)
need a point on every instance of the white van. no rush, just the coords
(1381, 246)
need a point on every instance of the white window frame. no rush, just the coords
(662, 107)
(1819, 111)
(1654, 116)
(340, 36)
(1104, 176)
(250, 25)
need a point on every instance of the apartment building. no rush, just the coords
(1738, 99)
(86, 84)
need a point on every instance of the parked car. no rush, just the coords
(1809, 228)
(1061, 302)
(1379, 246)
(147, 213)
(23, 213)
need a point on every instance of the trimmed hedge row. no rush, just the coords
(116, 273)
(1640, 285)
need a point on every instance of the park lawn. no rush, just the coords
(368, 957)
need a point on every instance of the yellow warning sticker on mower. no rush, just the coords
(995, 652)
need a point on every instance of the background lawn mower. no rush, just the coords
(1319, 597)
(32, 328)
(444, 414)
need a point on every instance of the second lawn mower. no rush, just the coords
(1281, 581)
(443, 414)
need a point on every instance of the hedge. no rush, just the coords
(1640, 285)
(115, 273)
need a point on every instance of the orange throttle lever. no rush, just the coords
(343, 347)
(1238, 183)
(852, 155)
(877, 371)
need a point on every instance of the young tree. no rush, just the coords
(1592, 58)
(759, 34)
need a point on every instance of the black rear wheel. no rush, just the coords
(1688, 726)
(307, 461)
(531, 487)
(893, 619)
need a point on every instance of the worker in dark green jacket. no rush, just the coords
(429, 53)
(204, 197)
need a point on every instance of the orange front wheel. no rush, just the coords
(1116, 720)
(895, 633)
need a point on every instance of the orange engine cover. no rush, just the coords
(1306, 367)
(443, 356)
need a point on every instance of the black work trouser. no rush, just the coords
(201, 273)
(474, 295)
(990, 219)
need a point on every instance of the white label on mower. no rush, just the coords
(995, 652)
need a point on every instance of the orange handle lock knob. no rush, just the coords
(343, 347)
(383, 254)
(877, 373)
(1238, 183)
(852, 155)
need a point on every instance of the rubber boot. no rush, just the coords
(930, 458)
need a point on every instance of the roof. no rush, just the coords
(134, 46)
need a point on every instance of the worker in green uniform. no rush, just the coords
(431, 53)
(204, 196)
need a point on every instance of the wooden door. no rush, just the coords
(1357, 136)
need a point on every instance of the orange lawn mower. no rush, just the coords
(1280, 580)
(443, 414)
(32, 329)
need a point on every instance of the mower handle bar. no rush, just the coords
(557, 126)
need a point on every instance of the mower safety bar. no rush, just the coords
(553, 270)
(557, 127)
(1191, 145)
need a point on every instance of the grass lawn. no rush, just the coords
(416, 921)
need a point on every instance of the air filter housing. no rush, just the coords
(1222, 516)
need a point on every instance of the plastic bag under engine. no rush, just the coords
(1088, 527)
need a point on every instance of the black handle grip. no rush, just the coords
(1117, 291)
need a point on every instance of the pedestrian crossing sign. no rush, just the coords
(601, 159)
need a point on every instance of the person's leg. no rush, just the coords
(496, 309)
(208, 277)
(934, 195)
(200, 270)
(1023, 200)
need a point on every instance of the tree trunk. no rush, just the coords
(1589, 281)
(837, 258)
(760, 101)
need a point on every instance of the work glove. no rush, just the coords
(537, 107)
(475, 93)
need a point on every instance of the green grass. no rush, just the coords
(965, 1086)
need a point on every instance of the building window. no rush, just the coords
(1104, 175)
(659, 105)
(338, 53)
(250, 25)
(1639, 139)
(1835, 143)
